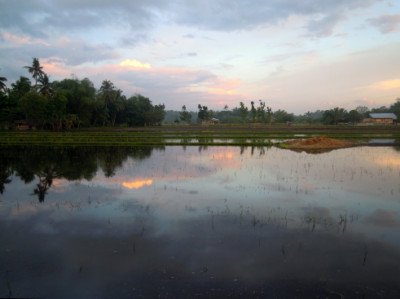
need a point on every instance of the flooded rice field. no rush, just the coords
(180, 222)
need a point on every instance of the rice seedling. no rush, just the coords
(8, 285)
(134, 245)
(365, 254)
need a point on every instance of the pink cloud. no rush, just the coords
(25, 40)
(172, 86)
(368, 101)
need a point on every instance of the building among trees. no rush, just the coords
(381, 118)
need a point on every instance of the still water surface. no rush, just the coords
(197, 221)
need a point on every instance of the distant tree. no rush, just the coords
(21, 87)
(362, 110)
(11, 105)
(269, 115)
(185, 116)
(228, 116)
(354, 116)
(80, 99)
(395, 108)
(157, 115)
(34, 107)
(107, 92)
(36, 70)
(203, 114)
(334, 116)
(140, 112)
(56, 113)
(261, 111)
(107, 95)
(328, 118)
(310, 117)
(116, 106)
(4, 103)
(281, 116)
(253, 112)
(382, 109)
(244, 111)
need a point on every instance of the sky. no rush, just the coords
(296, 55)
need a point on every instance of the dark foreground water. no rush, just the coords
(199, 222)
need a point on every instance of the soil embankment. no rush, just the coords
(316, 143)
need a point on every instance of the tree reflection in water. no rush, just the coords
(228, 221)
(45, 180)
(4, 179)
(71, 163)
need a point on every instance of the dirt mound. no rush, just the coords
(321, 142)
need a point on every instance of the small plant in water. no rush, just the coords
(9, 288)
(365, 254)
(133, 245)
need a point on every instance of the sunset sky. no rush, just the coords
(295, 55)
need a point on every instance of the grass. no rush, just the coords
(238, 135)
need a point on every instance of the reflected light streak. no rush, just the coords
(389, 161)
(137, 184)
(228, 155)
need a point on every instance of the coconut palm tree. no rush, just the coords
(3, 86)
(36, 70)
(44, 86)
(107, 92)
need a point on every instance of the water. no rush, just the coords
(199, 221)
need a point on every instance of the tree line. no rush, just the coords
(71, 103)
(264, 114)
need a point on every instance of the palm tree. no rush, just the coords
(36, 70)
(3, 86)
(107, 91)
(44, 86)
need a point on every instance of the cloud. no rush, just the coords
(304, 55)
(135, 63)
(172, 86)
(43, 18)
(221, 15)
(22, 40)
(40, 18)
(386, 23)
(324, 26)
(365, 101)
(385, 85)
(78, 52)
(70, 52)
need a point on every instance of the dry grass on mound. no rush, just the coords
(321, 142)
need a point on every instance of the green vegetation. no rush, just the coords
(71, 103)
(243, 135)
